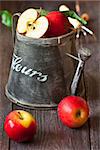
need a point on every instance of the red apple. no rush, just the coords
(20, 126)
(58, 24)
(73, 111)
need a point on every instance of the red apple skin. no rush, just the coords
(16, 131)
(58, 24)
(73, 111)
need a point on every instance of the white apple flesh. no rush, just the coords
(38, 28)
(27, 17)
(63, 8)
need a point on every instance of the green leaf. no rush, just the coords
(6, 18)
(42, 12)
(72, 14)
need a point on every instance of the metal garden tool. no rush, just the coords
(83, 55)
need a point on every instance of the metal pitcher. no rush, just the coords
(39, 70)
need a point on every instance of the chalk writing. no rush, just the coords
(18, 67)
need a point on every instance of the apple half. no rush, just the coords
(27, 17)
(31, 25)
(38, 28)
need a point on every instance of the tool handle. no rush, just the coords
(76, 77)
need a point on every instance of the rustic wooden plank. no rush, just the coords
(93, 100)
(92, 77)
(5, 104)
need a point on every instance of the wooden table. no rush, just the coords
(51, 134)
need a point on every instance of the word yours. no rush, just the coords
(17, 66)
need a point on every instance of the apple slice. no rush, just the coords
(74, 22)
(38, 28)
(63, 8)
(27, 17)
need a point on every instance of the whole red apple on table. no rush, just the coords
(58, 24)
(20, 126)
(73, 111)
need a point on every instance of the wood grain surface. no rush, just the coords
(51, 133)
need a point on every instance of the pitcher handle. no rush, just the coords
(14, 24)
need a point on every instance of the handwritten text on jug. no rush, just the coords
(17, 66)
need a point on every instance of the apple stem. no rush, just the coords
(20, 115)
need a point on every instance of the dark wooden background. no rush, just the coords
(51, 134)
